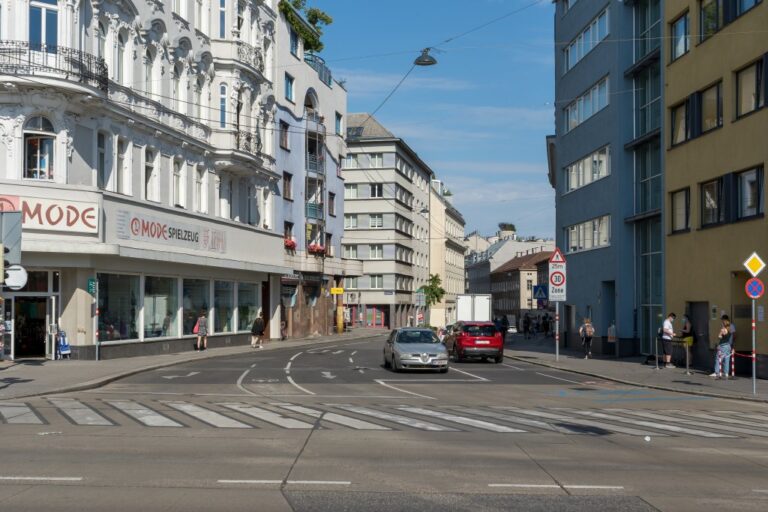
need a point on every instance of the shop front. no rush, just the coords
(30, 316)
(308, 306)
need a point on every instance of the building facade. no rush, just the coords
(480, 266)
(311, 112)
(137, 142)
(446, 253)
(609, 166)
(717, 83)
(512, 288)
(386, 225)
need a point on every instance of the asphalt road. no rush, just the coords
(329, 429)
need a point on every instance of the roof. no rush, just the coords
(371, 128)
(524, 262)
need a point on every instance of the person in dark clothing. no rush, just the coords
(257, 332)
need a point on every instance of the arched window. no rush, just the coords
(223, 106)
(148, 65)
(39, 139)
(120, 59)
(101, 41)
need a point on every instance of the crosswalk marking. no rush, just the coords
(267, 416)
(700, 424)
(485, 425)
(587, 423)
(521, 421)
(19, 414)
(80, 413)
(396, 418)
(721, 418)
(333, 418)
(650, 424)
(207, 416)
(752, 416)
(142, 414)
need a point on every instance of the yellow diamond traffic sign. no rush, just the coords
(754, 264)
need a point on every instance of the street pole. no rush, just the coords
(557, 331)
(340, 313)
(754, 357)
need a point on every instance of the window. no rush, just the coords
(119, 297)
(376, 220)
(178, 183)
(377, 190)
(101, 160)
(287, 185)
(161, 307)
(350, 191)
(750, 193)
(248, 305)
(176, 88)
(568, 4)
(376, 252)
(294, 43)
(648, 176)
(148, 75)
(596, 31)
(587, 105)
(101, 41)
(712, 207)
(201, 198)
(39, 141)
(681, 210)
(43, 26)
(289, 87)
(711, 17)
(120, 59)
(284, 127)
(350, 252)
(195, 300)
(647, 101)
(331, 203)
(743, 6)
(647, 27)
(149, 174)
(680, 131)
(222, 18)
(701, 112)
(589, 169)
(198, 14)
(350, 161)
(750, 89)
(377, 282)
(350, 282)
(377, 160)
(199, 100)
(711, 108)
(350, 221)
(681, 40)
(223, 105)
(591, 234)
(121, 168)
(224, 306)
(339, 119)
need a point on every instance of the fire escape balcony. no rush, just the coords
(24, 59)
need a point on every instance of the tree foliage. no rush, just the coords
(433, 291)
(507, 226)
(317, 18)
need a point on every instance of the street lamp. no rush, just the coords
(425, 59)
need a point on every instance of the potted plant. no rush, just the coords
(290, 244)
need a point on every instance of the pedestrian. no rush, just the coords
(545, 325)
(732, 328)
(257, 331)
(667, 333)
(201, 329)
(587, 332)
(687, 331)
(723, 354)
(526, 325)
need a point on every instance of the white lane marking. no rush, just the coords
(267, 416)
(207, 416)
(43, 478)
(481, 379)
(353, 352)
(558, 378)
(19, 414)
(485, 425)
(396, 418)
(527, 486)
(517, 419)
(142, 414)
(744, 415)
(328, 375)
(290, 379)
(604, 487)
(351, 360)
(253, 365)
(700, 424)
(296, 355)
(718, 418)
(252, 482)
(240, 383)
(587, 423)
(334, 418)
(338, 352)
(288, 366)
(512, 366)
(80, 413)
(384, 383)
(318, 482)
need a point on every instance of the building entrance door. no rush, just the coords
(30, 326)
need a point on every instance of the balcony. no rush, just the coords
(248, 142)
(318, 64)
(25, 58)
(250, 55)
(315, 211)
(315, 163)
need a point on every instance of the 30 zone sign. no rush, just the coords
(557, 277)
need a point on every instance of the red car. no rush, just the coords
(475, 339)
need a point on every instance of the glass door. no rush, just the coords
(43, 31)
(52, 323)
(6, 329)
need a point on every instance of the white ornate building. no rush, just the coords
(136, 136)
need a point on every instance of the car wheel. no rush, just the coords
(395, 368)
(386, 362)
(499, 358)
(444, 370)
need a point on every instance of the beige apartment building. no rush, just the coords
(716, 152)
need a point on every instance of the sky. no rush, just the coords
(479, 117)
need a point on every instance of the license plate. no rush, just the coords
(482, 342)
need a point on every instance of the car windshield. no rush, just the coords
(417, 337)
(479, 330)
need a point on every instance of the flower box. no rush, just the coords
(289, 244)
(316, 249)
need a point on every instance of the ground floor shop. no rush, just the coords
(307, 306)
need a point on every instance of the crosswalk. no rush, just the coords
(502, 420)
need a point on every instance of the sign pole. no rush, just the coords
(754, 353)
(557, 331)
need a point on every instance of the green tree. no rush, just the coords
(314, 16)
(433, 291)
(507, 226)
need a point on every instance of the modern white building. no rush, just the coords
(446, 253)
(386, 225)
(136, 136)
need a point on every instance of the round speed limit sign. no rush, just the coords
(557, 279)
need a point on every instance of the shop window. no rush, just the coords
(118, 307)
(161, 307)
(248, 305)
(224, 306)
(37, 281)
(39, 139)
(195, 300)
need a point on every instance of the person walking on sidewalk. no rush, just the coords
(587, 332)
(257, 331)
(723, 354)
(667, 333)
(201, 329)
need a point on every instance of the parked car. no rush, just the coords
(415, 349)
(475, 339)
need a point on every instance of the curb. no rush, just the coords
(103, 381)
(641, 385)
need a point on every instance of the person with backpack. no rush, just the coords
(724, 349)
(587, 332)
(257, 331)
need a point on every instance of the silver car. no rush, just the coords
(415, 349)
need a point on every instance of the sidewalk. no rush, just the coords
(21, 379)
(633, 371)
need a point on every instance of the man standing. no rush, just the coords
(668, 332)
(587, 332)
(257, 331)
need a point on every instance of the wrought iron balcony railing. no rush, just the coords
(318, 64)
(250, 55)
(249, 142)
(315, 211)
(315, 163)
(25, 58)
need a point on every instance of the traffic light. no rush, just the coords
(4, 264)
